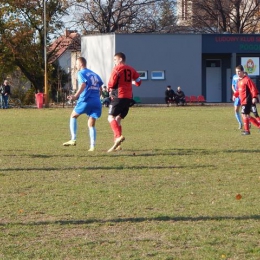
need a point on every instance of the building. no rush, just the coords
(65, 51)
(201, 64)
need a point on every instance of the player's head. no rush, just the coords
(240, 67)
(168, 87)
(81, 63)
(119, 58)
(240, 71)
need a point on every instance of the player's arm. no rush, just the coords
(113, 81)
(137, 80)
(235, 95)
(79, 91)
(253, 90)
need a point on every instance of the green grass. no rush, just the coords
(169, 194)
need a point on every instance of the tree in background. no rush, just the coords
(22, 35)
(167, 16)
(124, 16)
(223, 16)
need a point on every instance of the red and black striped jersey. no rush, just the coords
(246, 90)
(120, 82)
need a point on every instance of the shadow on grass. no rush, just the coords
(106, 168)
(123, 153)
(137, 153)
(135, 220)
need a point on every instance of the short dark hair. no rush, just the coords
(169, 86)
(121, 55)
(83, 61)
(240, 67)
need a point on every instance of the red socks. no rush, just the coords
(254, 121)
(246, 124)
(116, 128)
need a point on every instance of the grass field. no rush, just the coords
(171, 193)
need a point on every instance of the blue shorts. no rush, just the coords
(93, 108)
(237, 102)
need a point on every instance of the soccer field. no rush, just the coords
(185, 186)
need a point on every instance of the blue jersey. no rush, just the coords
(93, 85)
(234, 81)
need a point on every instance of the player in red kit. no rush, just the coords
(120, 88)
(248, 94)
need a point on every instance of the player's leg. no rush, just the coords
(117, 111)
(78, 110)
(118, 138)
(113, 112)
(93, 110)
(245, 110)
(255, 112)
(73, 129)
(92, 133)
(118, 119)
(237, 112)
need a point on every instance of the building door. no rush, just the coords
(229, 88)
(213, 81)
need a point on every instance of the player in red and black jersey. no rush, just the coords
(248, 94)
(120, 88)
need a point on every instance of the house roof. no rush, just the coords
(69, 41)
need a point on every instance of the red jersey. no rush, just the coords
(246, 90)
(120, 82)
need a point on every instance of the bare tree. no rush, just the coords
(124, 16)
(223, 16)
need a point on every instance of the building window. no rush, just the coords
(213, 63)
(143, 74)
(159, 75)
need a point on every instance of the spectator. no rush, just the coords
(104, 97)
(1, 96)
(6, 93)
(169, 95)
(180, 97)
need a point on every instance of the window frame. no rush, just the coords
(145, 72)
(162, 77)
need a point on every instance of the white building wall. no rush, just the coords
(99, 51)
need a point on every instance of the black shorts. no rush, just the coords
(246, 109)
(119, 107)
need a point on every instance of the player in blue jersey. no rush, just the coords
(88, 96)
(237, 103)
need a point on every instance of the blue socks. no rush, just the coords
(73, 128)
(73, 132)
(237, 115)
(92, 135)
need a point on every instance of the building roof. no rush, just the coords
(69, 41)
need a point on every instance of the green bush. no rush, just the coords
(29, 97)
